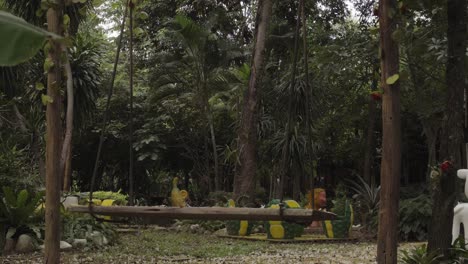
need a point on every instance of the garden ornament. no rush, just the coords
(178, 197)
(460, 212)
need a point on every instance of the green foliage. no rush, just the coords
(118, 197)
(415, 216)
(367, 198)
(23, 42)
(419, 256)
(78, 226)
(18, 210)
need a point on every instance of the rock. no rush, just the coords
(9, 246)
(25, 244)
(194, 228)
(79, 243)
(65, 246)
(97, 238)
(220, 232)
(70, 201)
(104, 240)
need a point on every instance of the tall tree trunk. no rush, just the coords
(53, 143)
(67, 141)
(452, 133)
(391, 138)
(244, 182)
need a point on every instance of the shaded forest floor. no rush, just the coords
(154, 245)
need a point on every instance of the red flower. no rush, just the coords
(376, 96)
(445, 166)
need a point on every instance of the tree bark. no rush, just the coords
(244, 182)
(53, 143)
(444, 196)
(391, 139)
(67, 141)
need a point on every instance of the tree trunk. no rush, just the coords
(67, 141)
(53, 143)
(391, 138)
(244, 182)
(67, 170)
(452, 133)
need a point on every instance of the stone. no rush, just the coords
(79, 243)
(70, 201)
(194, 228)
(25, 244)
(9, 245)
(65, 246)
(220, 232)
(97, 238)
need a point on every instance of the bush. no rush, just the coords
(419, 256)
(118, 197)
(77, 226)
(415, 217)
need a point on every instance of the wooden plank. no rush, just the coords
(209, 213)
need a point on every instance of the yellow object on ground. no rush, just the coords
(178, 197)
(276, 228)
(107, 202)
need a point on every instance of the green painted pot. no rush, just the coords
(283, 229)
(341, 227)
(238, 227)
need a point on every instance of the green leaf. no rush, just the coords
(48, 64)
(79, 1)
(10, 197)
(392, 79)
(138, 31)
(22, 198)
(24, 40)
(39, 86)
(46, 99)
(143, 15)
(66, 21)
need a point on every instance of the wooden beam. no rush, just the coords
(209, 213)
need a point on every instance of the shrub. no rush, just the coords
(415, 217)
(419, 256)
(77, 226)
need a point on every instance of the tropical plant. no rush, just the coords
(419, 255)
(367, 198)
(18, 213)
(415, 216)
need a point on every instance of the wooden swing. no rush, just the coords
(305, 216)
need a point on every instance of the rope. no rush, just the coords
(308, 101)
(285, 156)
(130, 137)
(106, 115)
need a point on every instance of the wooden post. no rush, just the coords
(391, 139)
(53, 141)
